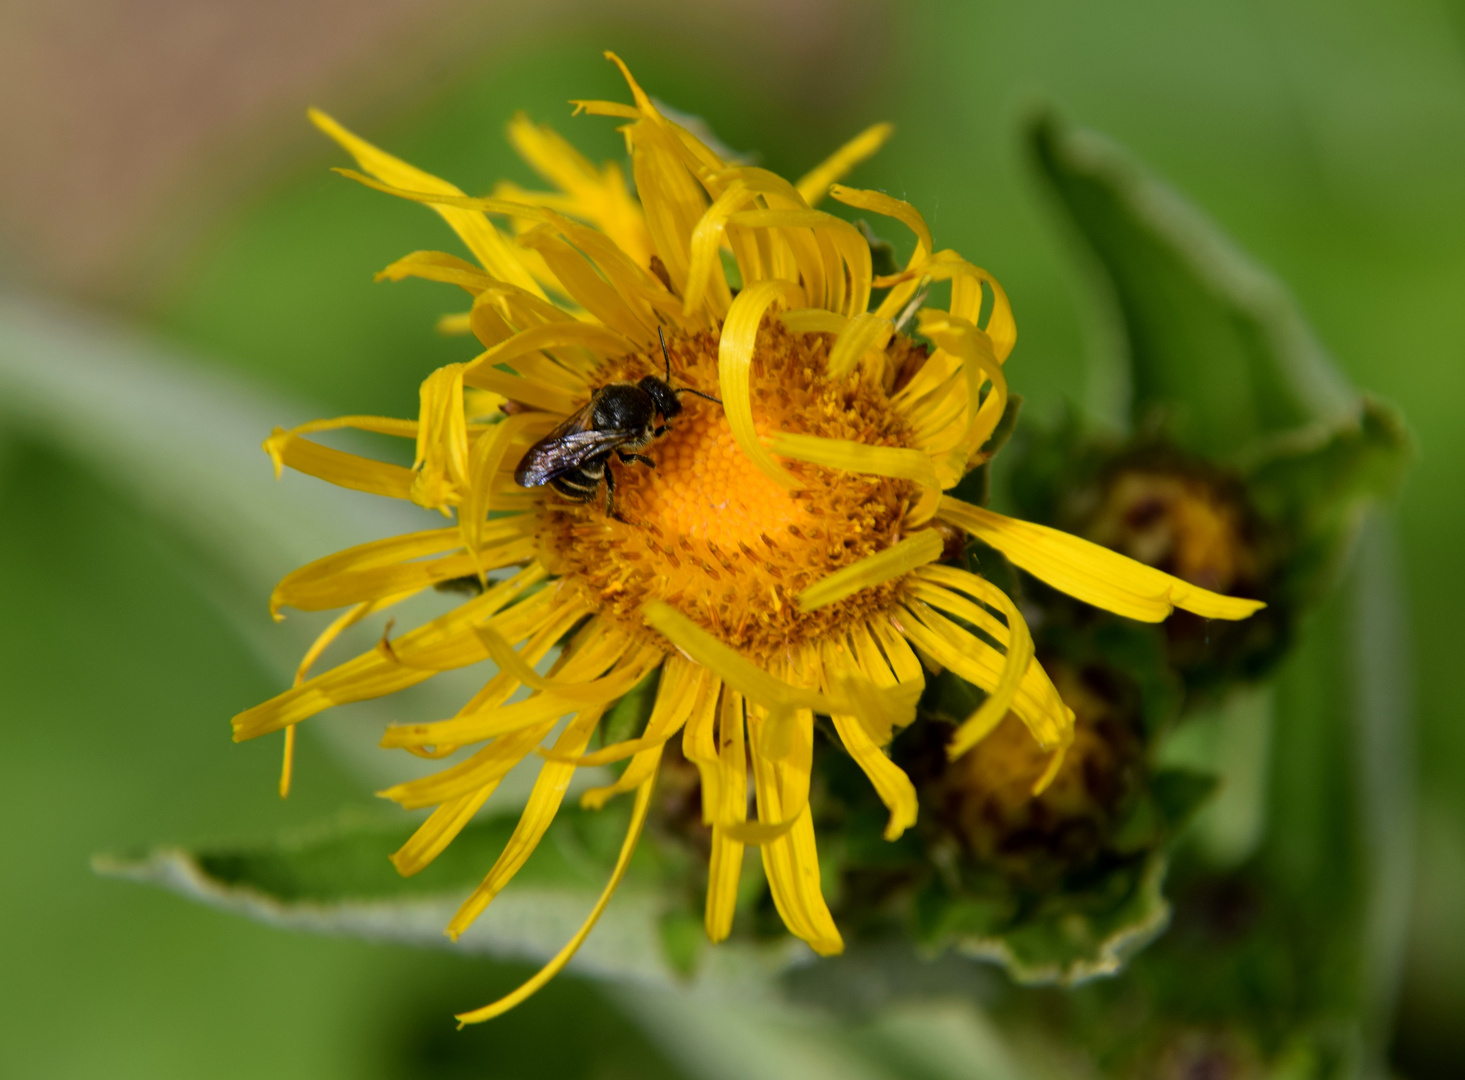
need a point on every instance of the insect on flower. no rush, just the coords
(785, 554)
(618, 419)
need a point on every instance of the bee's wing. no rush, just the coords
(557, 454)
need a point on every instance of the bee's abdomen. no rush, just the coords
(582, 482)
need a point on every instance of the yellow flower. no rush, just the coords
(781, 559)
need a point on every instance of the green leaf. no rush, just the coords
(1318, 481)
(335, 878)
(1082, 936)
(182, 442)
(1231, 739)
(1213, 344)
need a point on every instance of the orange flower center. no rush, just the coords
(708, 532)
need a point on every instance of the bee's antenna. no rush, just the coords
(665, 353)
(684, 389)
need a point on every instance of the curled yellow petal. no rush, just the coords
(815, 184)
(864, 332)
(813, 321)
(1014, 635)
(734, 363)
(889, 781)
(887, 206)
(791, 860)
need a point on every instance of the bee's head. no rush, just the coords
(660, 391)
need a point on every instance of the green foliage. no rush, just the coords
(1214, 345)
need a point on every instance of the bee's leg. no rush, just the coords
(626, 459)
(610, 494)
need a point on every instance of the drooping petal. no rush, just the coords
(539, 812)
(683, 686)
(1014, 636)
(553, 968)
(889, 781)
(725, 865)
(1092, 573)
(791, 861)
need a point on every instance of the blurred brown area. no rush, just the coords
(130, 125)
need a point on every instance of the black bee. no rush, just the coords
(618, 419)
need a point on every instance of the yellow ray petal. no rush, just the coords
(599, 651)
(553, 968)
(898, 462)
(438, 266)
(878, 202)
(485, 767)
(852, 264)
(539, 812)
(439, 830)
(815, 184)
(586, 287)
(322, 642)
(677, 697)
(889, 781)
(597, 195)
(864, 332)
(509, 438)
(699, 746)
(962, 339)
(725, 865)
(599, 340)
(813, 321)
(1089, 572)
(780, 698)
(504, 655)
(476, 231)
(1015, 663)
(370, 675)
(705, 251)
(362, 557)
(734, 365)
(308, 589)
(338, 467)
(898, 559)
(491, 723)
(1036, 703)
(966, 296)
(791, 861)
(441, 463)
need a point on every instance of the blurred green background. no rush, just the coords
(159, 169)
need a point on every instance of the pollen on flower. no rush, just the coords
(709, 533)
